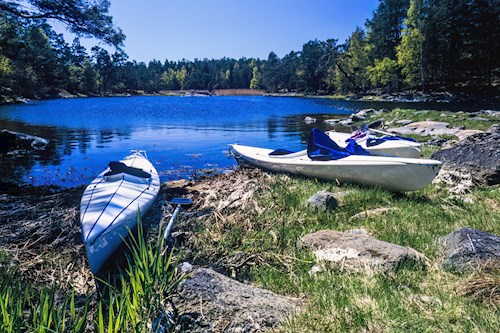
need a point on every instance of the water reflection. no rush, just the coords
(182, 136)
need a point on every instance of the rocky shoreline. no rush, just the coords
(371, 96)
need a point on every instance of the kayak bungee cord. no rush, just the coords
(102, 212)
(131, 202)
(90, 199)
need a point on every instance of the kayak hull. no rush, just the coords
(392, 173)
(110, 206)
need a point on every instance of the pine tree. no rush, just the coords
(410, 51)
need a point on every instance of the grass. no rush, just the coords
(455, 119)
(425, 299)
(136, 301)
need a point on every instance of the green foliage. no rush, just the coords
(85, 18)
(384, 72)
(442, 44)
(256, 80)
(410, 51)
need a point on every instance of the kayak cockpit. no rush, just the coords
(121, 171)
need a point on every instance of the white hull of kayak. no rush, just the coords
(109, 208)
(398, 148)
(393, 173)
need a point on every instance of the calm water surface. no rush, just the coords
(183, 136)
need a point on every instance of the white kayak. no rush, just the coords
(110, 205)
(393, 173)
(375, 146)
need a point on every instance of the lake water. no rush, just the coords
(184, 136)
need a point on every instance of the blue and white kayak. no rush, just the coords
(393, 173)
(110, 205)
(382, 146)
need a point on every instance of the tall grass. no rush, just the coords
(137, 303)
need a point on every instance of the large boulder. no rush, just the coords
(476, 158)
(469, 249)
(10, 140)
(211, 302)
(355, 250)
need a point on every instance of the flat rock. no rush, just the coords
(358, 251)
(403, 122)
(332, 121)
(432, 128)
(477, 157)
(208, 301)
(469, 250)
(10, 140)
(323, 200)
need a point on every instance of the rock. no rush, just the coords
(437, 142)
(10, 140)
(403, 122)
(494, 129)
(346, 122)
(366, 111)
(421, 112)
(357, 117)
(470, 250)
(477, 157)
(309, 120)
(491, 113)
(208, 301)
(479, 119)
(443, 115)
(358, 251)
(332, 121)
(323, 200)
(383, 111)
(432, 128)
(464, 133)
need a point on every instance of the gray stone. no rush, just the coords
(404, 122)
(358, 251)
(479, 119)
(421, 112)
(491, 113)
(10, 140)
(346, 122)
(332, 121)
(208, 301)
(477, 156)
(366, 111)
(357, 117)
(383, 111)
(469, 250)
(323, 200)
(309, 120)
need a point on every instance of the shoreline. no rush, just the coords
(403, 97)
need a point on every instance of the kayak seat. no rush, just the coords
(119, 167)
(321, 148)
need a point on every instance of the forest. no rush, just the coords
(417, 45)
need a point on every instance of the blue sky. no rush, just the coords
(176, 29)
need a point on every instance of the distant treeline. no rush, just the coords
(424, 45)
